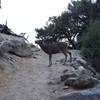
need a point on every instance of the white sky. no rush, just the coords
(26, 15)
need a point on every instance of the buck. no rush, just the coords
(53, 48)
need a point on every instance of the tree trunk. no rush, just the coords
(72, 43)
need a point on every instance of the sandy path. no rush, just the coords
(31, 78)
(28, 82)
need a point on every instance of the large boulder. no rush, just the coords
(81, 82)
(79, 79)
(15, 47)
(89, 94)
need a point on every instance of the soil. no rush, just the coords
(32, 79)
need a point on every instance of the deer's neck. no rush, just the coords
(45, 48)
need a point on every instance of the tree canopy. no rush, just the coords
(72, 23)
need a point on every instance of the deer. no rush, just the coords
(53, 48)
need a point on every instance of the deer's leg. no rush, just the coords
(70, 55)
(65, 57)
(50, 61)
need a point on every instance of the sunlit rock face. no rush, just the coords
(14, 45)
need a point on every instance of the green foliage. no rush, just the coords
(72, 23)
(81, 21)
(91, 43)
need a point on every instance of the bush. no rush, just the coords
(91, 44)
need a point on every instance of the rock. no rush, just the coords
(15, 47)
(81, 82)
(79, 78)
(82, 71)
(85, 83)
(67, 75)
(70, 81)
(81, 61)
(81, 68)
(97, 76)
(89, 94)
(35, 49)
(66, 70)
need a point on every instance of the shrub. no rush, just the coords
(91, 44)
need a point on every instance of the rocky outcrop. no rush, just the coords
(82, 77)
(89, 94)
(79, 79)
(81, 82)
(14, 45)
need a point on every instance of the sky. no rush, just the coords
(26, 15)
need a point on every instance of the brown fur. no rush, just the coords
(53, 48)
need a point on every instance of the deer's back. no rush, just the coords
(52, 48)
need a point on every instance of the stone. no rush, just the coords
(67, 75)
(81, 61)
(85, 83)
(70, 81)
(82, 71)
(15, 47)
(88, 94)
(81, 82)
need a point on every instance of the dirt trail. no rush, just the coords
(32, 80)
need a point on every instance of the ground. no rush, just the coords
(32, 79)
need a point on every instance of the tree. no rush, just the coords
(46, 32)
(91, 44)
(71, 24)
(58, 28)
